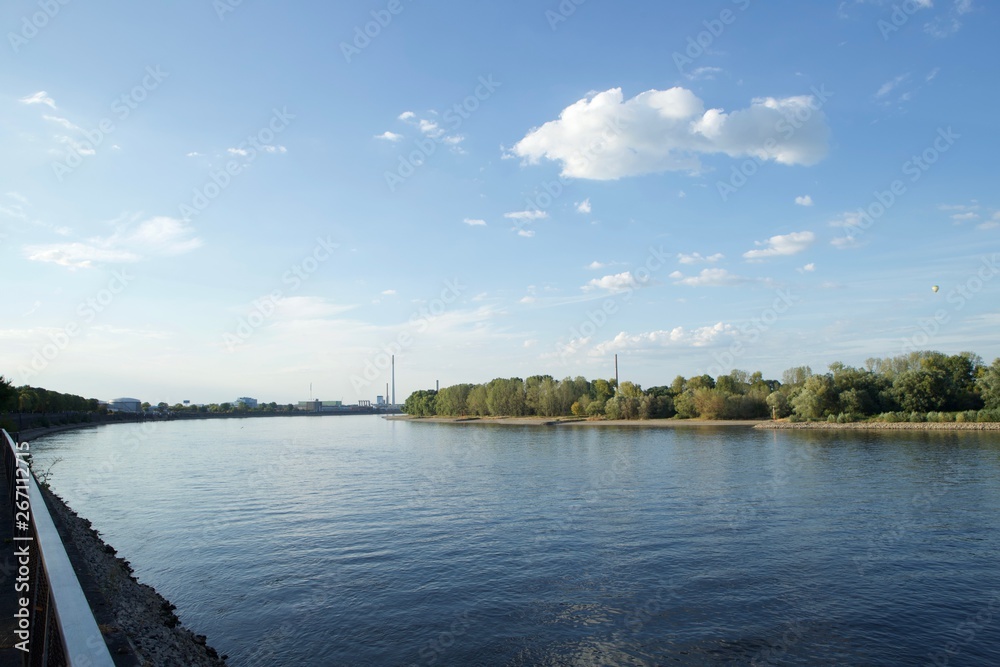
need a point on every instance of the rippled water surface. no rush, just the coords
(362, 541)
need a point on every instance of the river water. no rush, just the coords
(363, 541)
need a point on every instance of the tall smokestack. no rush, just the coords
(394, 379)
(616, 373)
(437, 385)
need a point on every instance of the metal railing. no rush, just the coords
(55, 623)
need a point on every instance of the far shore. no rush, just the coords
(578, 421)
(682, 423)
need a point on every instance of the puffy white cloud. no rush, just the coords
(781, 245)
(389, 136)
(584, 206)
(676, 337)
(805, 200)
(526, 233)
(407, 115)
(605, 137)
(618, 282)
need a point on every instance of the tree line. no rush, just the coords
(919, 386)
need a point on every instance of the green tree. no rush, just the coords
(988, 385)
(453, 400)
(505, 397)
(420, 403)
(8, 394)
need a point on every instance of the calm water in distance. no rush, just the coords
(362, 541)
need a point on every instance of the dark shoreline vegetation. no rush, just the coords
(920, 387)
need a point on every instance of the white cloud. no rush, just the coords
(79, 255)
(275, 149)
(932, 74)
(964, 217)
(474, 222)
(945, 26)
(891, 85)
(389, 292)
(407, 115)
(389, 136)
(526, 233)
(41, 97)
(696, 257)
(584, 206)
(527, 300)
(676, 337)
(64, 123)
(618, 282)
(804, 200)
(781, 245)
(431, 129)
(162, 236)
(596, 266)
(194, 154)
(605, 137)
(526, 215)
(844, 242)
(710, 278)
(808, 268)
(242, 152)
(701, 73)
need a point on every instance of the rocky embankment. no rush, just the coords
(135, 619)
(884, 426)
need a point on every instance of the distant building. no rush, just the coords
(131, 405)
(380, 400)
(246, 401)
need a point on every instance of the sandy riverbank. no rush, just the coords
(577, 421)
(883, 426)
(694, 423)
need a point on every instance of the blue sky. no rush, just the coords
(204, 200)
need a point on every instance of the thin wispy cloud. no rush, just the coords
(41, 97)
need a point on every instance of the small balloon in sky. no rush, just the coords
(934, 288)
